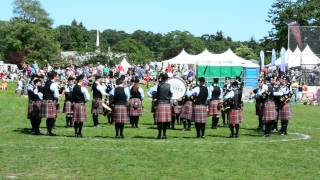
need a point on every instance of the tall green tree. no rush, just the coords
(137, 52)
(32, 12)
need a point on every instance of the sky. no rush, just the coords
(239, 19)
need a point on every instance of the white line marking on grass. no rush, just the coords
(11, 177)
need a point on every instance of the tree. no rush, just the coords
(31, 11)
(137, 52)
(246, 52)
(24, 41)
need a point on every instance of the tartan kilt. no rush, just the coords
(49, 109)
(259, 110)
(79, 112)
(177, 109)
(269, 111)
(67, 107)
(234, 116)
(96, 107)
(187, 110)
(34, 109)
(241, 115)
(120, 114)
(213, 108)
(285, 112)
(200, 113)
(163, 112)
(135, 111)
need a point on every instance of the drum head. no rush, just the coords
(178, 87)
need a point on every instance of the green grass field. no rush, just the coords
(141, 156)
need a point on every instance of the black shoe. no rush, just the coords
(122, 136)
(159, 137)
(164, 137)
(202, 137)
(236, 136)
(51, 134)
(230, 136)
(117, 137)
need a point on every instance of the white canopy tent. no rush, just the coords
(124, 63)
(182, 58)
(308, 58)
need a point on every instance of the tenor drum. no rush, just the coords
(178, 87)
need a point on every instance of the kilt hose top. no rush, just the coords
(285, 112)
(269, 111)
(79, 112)
(49, 109)
(96, 107)
(187, 110)
(163, 112)
(135, 107)
(214, 110)
(120, 114)
(200, 113)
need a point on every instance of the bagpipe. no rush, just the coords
(284, 99)
(226, 104)
(264, 96)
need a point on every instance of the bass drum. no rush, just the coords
(178, 87)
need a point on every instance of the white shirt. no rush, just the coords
(101, 89)
(263, 89)
(86, 94)
(68, 88)
(54, 88)
(152, 90)
(282, 91)
(39, 94)
(195, 91)
(229, 95)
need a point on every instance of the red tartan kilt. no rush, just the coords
(135, 111)
(187, 110)
(234, 116)
(120, 114)
(67, 107)
(259, 109)
(96, 107)
(285, 112)
(79, 112)
(163, 112)
(49, 109)
(177, 109)
(269, 111)
(34, 109)
(200, 113)
(213, 108)
(241, 115)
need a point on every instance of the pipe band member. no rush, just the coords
(215, 103)
(50, 100)
(135, 102)
(98, 91)
(80, 96)
(120, 97)
(67, 106)
(201, 97)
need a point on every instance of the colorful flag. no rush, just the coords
(295, 29)
(273, 57)
(262, 58)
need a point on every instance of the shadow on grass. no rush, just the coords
(24, 131)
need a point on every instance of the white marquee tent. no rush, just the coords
(124, 63)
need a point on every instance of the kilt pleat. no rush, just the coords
(120, 114)
(234, 116)
(49, 109)
(187, 110)
(135, 107)
(163, 112)
(67, 107)
(200, 113)
(213, 108)
(269, 111)
(79, 112)
(96, 107)
(285, 112)
(34, 109)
